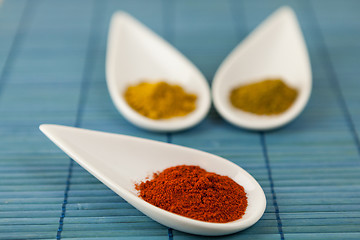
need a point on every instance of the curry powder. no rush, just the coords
(193, 192)
(160, 100)
(268, 97)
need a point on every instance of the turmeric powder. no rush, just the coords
(268, 97)
(160, 100)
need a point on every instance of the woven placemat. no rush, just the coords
(52, 70)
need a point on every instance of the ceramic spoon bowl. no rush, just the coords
(121, 161)
(135, 54)
(276, 49)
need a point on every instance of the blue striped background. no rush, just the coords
(52, 58)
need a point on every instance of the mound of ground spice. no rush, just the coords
(160, 100)
(268, 97)
(192, 192)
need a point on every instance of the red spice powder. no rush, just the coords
(192, 192)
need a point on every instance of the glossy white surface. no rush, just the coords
(135, 53)
(274, 49)
(120, 161)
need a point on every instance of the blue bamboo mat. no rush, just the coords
(52, 58)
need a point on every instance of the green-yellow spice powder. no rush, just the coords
(268, 97)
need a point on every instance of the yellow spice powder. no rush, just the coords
(268, 97)
(160, 100)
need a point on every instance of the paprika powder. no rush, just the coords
(192, 192)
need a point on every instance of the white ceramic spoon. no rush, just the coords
(274, 49)
(134, 54)
(120, 161)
